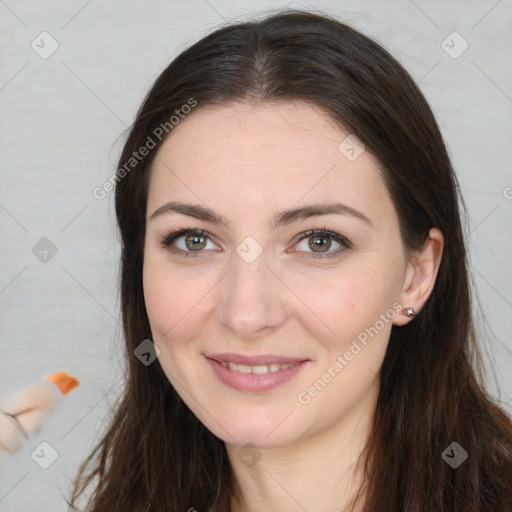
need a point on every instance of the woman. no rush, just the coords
(295, 291)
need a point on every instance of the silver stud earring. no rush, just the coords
(409, 312)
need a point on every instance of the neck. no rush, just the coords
(319, 473)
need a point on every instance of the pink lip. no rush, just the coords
(254, 360)
(254, 382)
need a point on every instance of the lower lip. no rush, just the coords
(253, 381)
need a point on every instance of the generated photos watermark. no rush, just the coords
(342, 360)
(159, 133)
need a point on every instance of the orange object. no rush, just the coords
(64, 382)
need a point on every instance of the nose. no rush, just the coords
(252, 299)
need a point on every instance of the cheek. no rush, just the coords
(347, 300)
(176, 310)
(175, 300)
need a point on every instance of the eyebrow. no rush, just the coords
(280, 219)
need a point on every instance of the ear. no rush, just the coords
(420, 275)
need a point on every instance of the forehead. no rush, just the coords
(264, 156)
(250, 134)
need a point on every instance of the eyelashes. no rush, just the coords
(199, 239)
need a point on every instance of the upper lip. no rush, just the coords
(256, 360)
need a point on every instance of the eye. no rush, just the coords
(319, 242)
(313, 243)
(187, 242)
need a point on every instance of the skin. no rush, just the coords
(247, 162)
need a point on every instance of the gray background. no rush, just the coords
(62, 121)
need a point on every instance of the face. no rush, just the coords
(243, 257)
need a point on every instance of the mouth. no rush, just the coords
(254, 373)
(257, 369)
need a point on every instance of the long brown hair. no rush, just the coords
(154, 453)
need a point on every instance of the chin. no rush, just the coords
(258, 439)
(241, 430)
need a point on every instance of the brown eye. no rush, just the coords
(195, 242)
(319, 243)
(188, 242)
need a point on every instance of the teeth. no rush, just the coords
(240, 368)
(259, 370)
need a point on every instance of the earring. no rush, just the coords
(409, 312)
